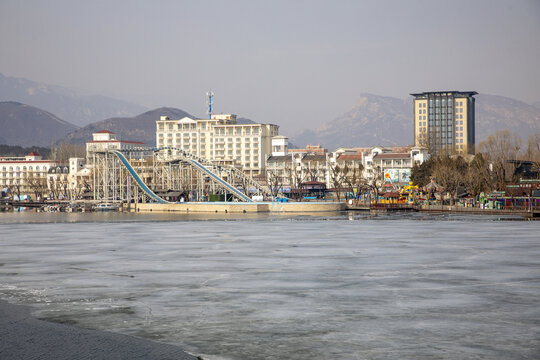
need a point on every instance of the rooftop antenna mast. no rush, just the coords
(210, 102)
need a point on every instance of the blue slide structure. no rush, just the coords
(138, 179)
(192, 160)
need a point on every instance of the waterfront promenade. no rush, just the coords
(531, 212)
(22, 336)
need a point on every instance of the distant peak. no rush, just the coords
(365, 98)
(12, 102)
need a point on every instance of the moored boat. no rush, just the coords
(106, 207)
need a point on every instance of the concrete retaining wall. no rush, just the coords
(231, 207)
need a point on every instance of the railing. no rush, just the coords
(239, 174)
(390, 206)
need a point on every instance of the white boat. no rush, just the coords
(106, 207)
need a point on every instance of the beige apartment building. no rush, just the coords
(220, 139)
(444, 121)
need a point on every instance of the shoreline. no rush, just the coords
(23, 336)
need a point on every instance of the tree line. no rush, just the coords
(490, 169)
(59, 152)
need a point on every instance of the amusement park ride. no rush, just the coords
(147, 174)
(142, 174)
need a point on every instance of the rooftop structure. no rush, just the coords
(313, 149)
(106, 140)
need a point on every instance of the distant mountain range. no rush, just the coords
(26, 125)
(65, 103)
(380, 120)
(373, 119)
(494, 113)
(138, 128)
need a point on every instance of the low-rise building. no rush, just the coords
(352, 168)
(345, 168)
(58, 182)
(35, 178)
(25, 176)
(393, 164)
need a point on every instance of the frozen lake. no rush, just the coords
(335, 286)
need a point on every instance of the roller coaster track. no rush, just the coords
(233, 171)
(248, 180)
(205, 166)
(201, 164)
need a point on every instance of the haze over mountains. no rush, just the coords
(380, 120)
(373, 119)
(138, 128)
(65, 103)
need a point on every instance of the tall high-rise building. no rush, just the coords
(444, 121)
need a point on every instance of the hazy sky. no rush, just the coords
(293, 63)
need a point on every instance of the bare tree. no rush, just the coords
(63, 188)
(499, 148)
(273, 181)
(62, 152)
(53, 191)
(450, 173)
(354, 178)
(478, 178)
(337, 177)
(312, 171)
(15, 189)
(37, 184)
(532, 152)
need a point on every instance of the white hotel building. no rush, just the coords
(219, 139)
